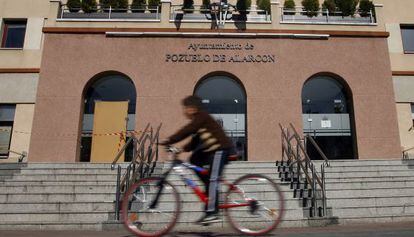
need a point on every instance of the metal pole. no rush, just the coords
(118, 193)
(314, 191)
(323, 191)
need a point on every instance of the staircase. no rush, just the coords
(76, 196)
(368, 191)
(80, 196)
(71, 196)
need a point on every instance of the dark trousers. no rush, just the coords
(215, 162)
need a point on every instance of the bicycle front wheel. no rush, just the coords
(261, 205)
(143, 219)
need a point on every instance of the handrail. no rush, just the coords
(304, 164)
(405, 152)
(318, 148)
(22, 155)
(142, 163)
(121, 151)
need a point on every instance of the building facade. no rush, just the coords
(333, 77)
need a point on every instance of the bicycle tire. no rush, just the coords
(271, 195)
(143, 221)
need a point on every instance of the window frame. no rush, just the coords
(5, 25)
(406, 27)
(8, 124)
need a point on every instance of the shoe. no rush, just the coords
(208, 219)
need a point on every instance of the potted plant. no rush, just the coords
(205, 6)
(347, 7)
(88, 6)
(311, 7)
(289, 6)
(263, 5)
(243, 5)
(74, 5)
(153, 5)
(138, 6)
(365, 8)
(330, 6)
(188, 6)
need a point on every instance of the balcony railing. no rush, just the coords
(102, 13)
(298, 15)
(200, 14)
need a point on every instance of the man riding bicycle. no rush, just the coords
(210, 147)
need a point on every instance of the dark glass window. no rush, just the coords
(322, 95)
(225, 100)
(407, 33)
(111, 88)
(13, 33)
(6, 128)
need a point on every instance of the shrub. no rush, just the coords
(243, 5)
(74, 5)
(119, 5)
(138, 5)
(264, 5)
(347, 7)
(205, 6)
(365, 6)
(311, 7)
(88, 6)
(188, 6)
(289, 5)
(330, 6)
(153, 5)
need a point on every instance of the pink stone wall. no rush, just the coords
(273, 89)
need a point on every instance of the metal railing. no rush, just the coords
(143, 163)
(21, 155)
(405, 154)
(324, 16)
(201, 14)
(301, 166)
(110, 13)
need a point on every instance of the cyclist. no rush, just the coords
(210, 147)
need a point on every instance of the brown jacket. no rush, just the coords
(207, 134)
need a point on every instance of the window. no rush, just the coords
(6, 127)
(13, 33)
(407, 33)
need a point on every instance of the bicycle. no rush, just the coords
(151, 206)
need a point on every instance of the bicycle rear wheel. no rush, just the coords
(142, 220)
(265, 207)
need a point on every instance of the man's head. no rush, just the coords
(192, 104)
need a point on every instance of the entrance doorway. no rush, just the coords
(107, 87)
(328, 117)
(225, 99)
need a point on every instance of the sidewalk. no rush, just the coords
(405, 229)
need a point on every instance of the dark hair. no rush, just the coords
(193, 101)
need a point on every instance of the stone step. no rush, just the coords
(354, 212)
(370, 192)
(187, 226)
(380, 173)
(59, 189)
(369, 179)
(105, 171)
(376, 219)
(389, 200)
(54, 216)
(56, 197)
(335, 163)
(56, 206)
(54, 182)
(399, 167)
(369, 184)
